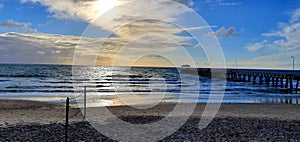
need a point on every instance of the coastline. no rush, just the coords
(25, 117)
(23, 111)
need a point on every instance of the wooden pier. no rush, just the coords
(286, 82)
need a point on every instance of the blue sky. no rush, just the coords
(254, 32)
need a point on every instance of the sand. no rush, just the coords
(40, 121)
(25, 112)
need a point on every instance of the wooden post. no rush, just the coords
(291, 85)
(281, 81)
(244, 77)
(297, 84)
(267, 81)
(84, 104)
(67, 119)
(260, 79)
(291, 100)
(276, 84)
(254, 78)
(286, 82)
(273, 81)
(231, 76)
(249, 78)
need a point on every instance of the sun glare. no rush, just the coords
(103, 6)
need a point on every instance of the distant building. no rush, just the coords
(185, 66)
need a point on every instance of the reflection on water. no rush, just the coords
(56, 82)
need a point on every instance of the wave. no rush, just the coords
(21, 76)
(37, 87)
(4, 80)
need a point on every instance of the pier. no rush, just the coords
(289, 83)
(286, 82)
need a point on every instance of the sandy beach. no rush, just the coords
(21, 119)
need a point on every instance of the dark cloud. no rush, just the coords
(222, 32)
(31, 31)
(185, 2)
(14, 24)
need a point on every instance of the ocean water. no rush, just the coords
(53, 83)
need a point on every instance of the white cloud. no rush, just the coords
(274, 61)
(278, 46)
(256, 46)
(283, 40)
(296, 15)
(1, 6)
(221, 3)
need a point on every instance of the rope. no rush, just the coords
(72, 98)
(75, 114)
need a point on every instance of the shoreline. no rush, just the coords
(40, 121)
(23, 112)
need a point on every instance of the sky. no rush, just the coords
(255, 33)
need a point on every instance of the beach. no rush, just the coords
(36, 121)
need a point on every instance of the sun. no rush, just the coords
(103, 6)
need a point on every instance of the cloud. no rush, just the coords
(254, 47)
(274, 61)
(187, 2)
(14, 24)
(229, 3)
(296, 15)
(139, 17)
(59, 49)
(282, 40)
(36, 48)
(278, 46)
(1, 6)
(31, 31)
(135, 24)
(222, 32)
(221, 3)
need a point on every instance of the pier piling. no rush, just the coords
(281, 81)
(273, 81)
(254, 79)
(284, 81)
(297, 84)
(276, 84)
(260, 79)
(291, 85)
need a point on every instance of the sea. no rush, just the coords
(54, 83)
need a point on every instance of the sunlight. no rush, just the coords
(103, 6)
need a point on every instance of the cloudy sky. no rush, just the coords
(256, 33)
